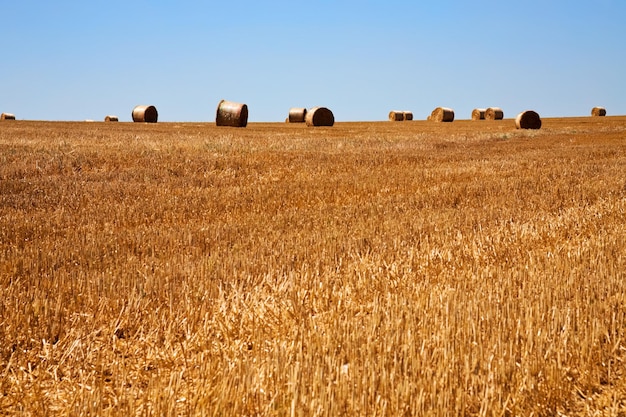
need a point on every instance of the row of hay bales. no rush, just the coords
(490, 113)
(230, 113)
(400, 116)
(528, 119)
(236, 115)
(316, 116)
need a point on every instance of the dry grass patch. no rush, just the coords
(368, 269)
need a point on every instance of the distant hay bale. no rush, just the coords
(598, 111)
(528, 120)
(494, 113)
(111, 118)
(145, 114)
(320, 116)
(478, 114)
(7, 116)
(442, 114)
(297, 115)
(396, 116)
(408, 115)
(231, 114)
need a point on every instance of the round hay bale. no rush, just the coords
(145, 114)
(231, 114)
(111, 118)
(297, 115)
(478, 114)
(494, 113)
(528, 120)
(408, 115)
(7, 116)
(396, 116)
(442, 114)
(598, 111)
(320, 116)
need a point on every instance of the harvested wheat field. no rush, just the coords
(362, 269)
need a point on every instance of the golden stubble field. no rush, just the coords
(369, 269)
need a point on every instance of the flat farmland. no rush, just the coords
(374, 269)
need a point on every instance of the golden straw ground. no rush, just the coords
(427, 269)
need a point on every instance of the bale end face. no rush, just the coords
(320, 116)
(598, 112)
(231, 114)
(396, 116)
(528, 119)
(145, 114)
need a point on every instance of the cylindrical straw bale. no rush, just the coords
(231, 114)
(598, 111)
(494, 113)
(442, 114)
(297, 115)
(396, 116)
(528, 120)
(145, 114)
(7, 116)
(478, 114)
(111, 118)
(320, 116)
(408, 115)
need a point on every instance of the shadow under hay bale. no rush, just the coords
(320, 116)
(396, 116)
(598, 111)
(231, 114)
(297, 115)
(111, 119)
(145, 114)
(7, 116)
(528, 119)
(478, 114)
(494, 113)
(442, 114)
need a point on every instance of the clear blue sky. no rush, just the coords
(76, 60)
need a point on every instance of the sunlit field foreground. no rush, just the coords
(367, 269)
